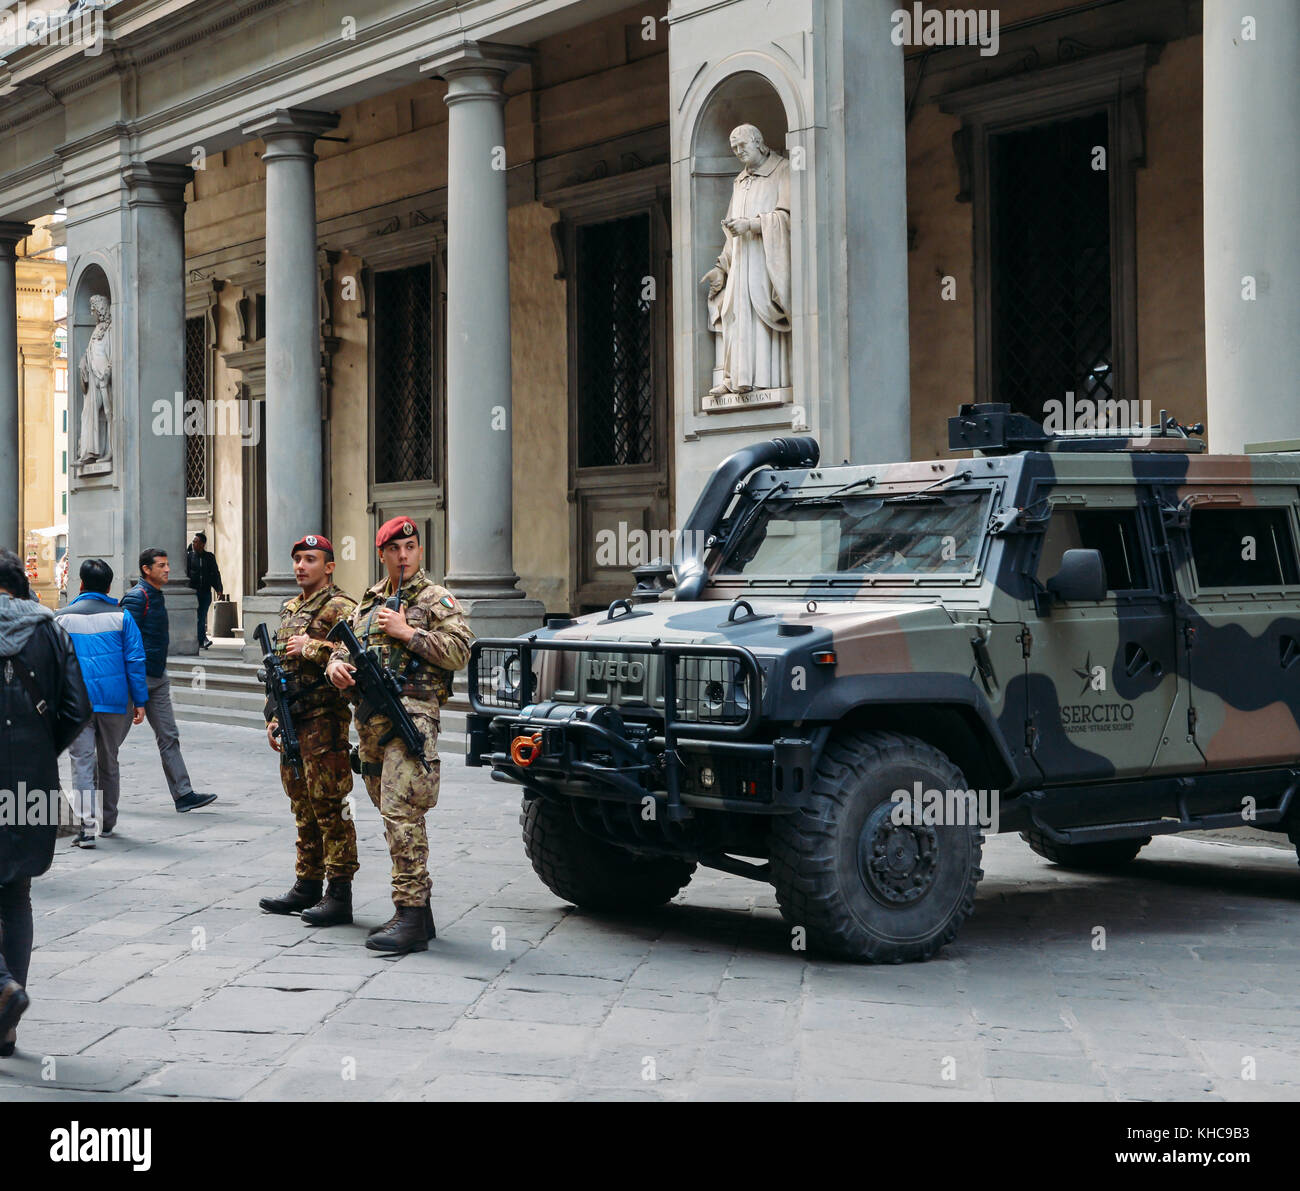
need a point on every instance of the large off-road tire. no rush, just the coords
(863, 885)
(590, 872)
(1097, 858)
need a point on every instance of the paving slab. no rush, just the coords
(156, 977)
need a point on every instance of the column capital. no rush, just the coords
(155, 183)
(485, 61)
(10, 233)
(289, 124)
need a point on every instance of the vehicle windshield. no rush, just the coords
(931, 534)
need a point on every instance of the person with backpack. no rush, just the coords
(43, 705)
(111, 654)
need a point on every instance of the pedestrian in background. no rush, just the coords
(43, 704)
(148, 609)
(205, 577)
(111, 653)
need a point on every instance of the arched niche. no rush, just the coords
(745, 97)
(90, 281)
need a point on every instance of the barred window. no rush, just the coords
(1049, 209)
(403, 322)
(615, 343)
(196, 389)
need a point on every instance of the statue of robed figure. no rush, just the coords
(95, 441)
(749, 287)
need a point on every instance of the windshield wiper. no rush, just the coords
(963, 476)
(870, 481)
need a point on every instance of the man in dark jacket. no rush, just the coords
(148, 609)
(111, 655)
(205, 577)
(43, 705)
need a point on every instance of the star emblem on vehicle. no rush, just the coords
(1085, 673)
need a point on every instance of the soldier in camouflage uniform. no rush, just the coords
(327, 837)
(423, 642)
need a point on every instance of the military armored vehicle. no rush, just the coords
(853, 672)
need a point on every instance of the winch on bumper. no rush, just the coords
(684, 737)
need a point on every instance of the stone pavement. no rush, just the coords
(157, 976)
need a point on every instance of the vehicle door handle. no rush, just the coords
(1290, 651)
(1136, 659)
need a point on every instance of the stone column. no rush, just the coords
(1252, 234)
(11, 471)
(480, 562)
(154, 371)
(294, 484)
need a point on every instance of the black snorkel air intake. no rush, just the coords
(699, 531)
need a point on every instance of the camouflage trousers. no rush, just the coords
(327, 836)
(403, 793)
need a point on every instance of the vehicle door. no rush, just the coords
(1103, 674)
(1241, 588)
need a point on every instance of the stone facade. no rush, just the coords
(490, 146)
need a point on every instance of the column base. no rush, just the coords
(503, 618)
(262, 608)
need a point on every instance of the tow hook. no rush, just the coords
(524, 750)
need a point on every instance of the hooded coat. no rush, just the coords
(30, 744)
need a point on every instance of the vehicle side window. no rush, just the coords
(1112, 531)
(1249, 548)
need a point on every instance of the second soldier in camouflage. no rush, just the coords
(422, 642)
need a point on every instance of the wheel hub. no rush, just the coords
(896, 860)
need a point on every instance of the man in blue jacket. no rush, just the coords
(111, 655)
(148, 609)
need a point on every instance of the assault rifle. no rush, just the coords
(277, 690)
(380, 693)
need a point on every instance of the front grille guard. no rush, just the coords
(737, 720)
(500, 650)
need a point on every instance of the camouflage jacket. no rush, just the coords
(311, 692)
(440, 645)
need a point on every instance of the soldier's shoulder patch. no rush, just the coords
(447, 601)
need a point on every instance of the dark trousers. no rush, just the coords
(15, 930)
(205, 602)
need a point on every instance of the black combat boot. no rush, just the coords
(334, 909)
(430, 930)
(303, 895)
(374, 930)
(408, 932)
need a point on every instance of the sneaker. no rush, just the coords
(193, 800)
(206, 644)
(107, 831)
(85, 839)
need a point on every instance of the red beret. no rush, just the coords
(312, 541)
(391, 531)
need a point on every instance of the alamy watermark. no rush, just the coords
(923, 807)
(1112, 415)
(631, 546)
(228, 416)
(25, 25)
(29, 806)
(946, 26)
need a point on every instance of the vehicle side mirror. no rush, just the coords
(1082, 576)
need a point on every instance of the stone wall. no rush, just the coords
(586, 86)
(1170, 258)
